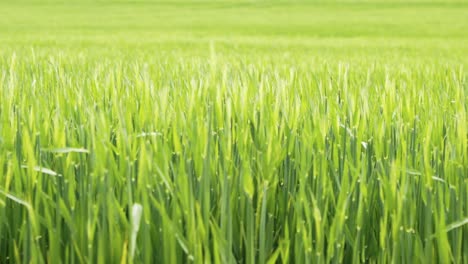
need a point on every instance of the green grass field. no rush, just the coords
(233, 131)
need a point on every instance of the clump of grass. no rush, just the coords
(231, 159)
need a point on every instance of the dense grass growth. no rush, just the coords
(304, 133)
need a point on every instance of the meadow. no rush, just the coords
(233, 131)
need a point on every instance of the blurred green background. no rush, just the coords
(382, 30)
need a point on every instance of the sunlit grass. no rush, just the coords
(186, 149)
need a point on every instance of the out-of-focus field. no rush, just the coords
(245, 131)
(334, 30)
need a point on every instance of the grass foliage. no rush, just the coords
(200, 138)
